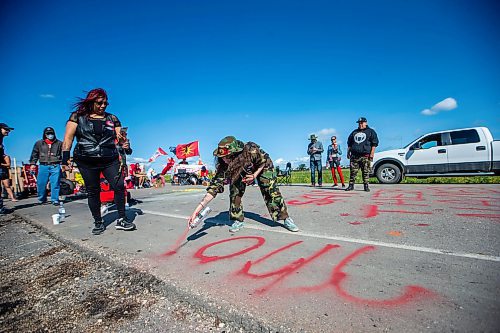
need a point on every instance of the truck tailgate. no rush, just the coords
(495, 155)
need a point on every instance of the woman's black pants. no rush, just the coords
(92, 179)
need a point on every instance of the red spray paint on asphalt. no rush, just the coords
(178, 243)
(200, 254)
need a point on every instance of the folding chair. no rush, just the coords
(284, 176)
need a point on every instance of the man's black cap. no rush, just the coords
(362, 120)
(5, 126)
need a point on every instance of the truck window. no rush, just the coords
(465, 136)
(430, 141)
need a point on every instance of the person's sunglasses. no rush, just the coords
(101, 103)
(223, 151)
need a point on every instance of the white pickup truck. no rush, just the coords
(458, 152)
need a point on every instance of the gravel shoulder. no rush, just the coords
(48, 286)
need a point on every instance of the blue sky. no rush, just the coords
(271, 72)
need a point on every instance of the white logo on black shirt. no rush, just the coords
(359, 137)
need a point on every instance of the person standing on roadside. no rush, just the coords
(4, 177)
(4, 131)
(48, 152)
(314, 150)
(361, 146)
(97, 133)
(333, 161)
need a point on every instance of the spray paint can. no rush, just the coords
(202, 214)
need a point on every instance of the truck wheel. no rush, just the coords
(193, 180)
(388, 173)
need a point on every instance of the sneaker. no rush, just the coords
(350, 187)
(42, 202)
(236, 226)
(55, 203)
(98, 228)
(5, 210)
(124, 224)
(367, 189)
(335, 185)
(288, 223)
(127, 206)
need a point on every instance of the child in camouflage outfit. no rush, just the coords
(242, 164)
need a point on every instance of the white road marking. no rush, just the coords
(355, 240)
(165, 214)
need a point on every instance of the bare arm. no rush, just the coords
(372, 152)
(119, 136)
(203, 203)
(69, 135)
(6, 161)
(249, 179)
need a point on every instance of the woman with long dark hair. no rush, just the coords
(97, 132)
(242, 164)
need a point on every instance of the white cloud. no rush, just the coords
(446, 104)
(47, 96)
(325, 133)
(301, 159)
(428, 112)
(139, 159)
(279, 161)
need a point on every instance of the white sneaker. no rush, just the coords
(290, 225)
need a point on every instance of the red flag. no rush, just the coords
(157, 153)
(187, 150)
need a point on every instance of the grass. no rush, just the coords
(305, 177)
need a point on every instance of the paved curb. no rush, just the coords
(243, 320)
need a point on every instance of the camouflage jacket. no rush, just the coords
(257, 158)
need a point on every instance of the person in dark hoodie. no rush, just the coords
(361, 146)
(48, 152)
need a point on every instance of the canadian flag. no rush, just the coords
(157, 153)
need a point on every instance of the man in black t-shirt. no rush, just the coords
(361, 146)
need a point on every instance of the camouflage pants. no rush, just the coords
(270, 192)
(362, 163)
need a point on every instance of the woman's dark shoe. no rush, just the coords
(98, 228)
(124, 224)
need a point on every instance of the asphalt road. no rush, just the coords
(402, 258)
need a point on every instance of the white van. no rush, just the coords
(458, 152)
